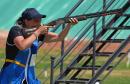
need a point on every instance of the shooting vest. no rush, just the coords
(22, 68)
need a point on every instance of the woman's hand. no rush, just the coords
(43, 29)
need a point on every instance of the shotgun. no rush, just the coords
(85, 16)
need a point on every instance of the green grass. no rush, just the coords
(119, 76)
(117, 80)
(1, 52)
(2, 56)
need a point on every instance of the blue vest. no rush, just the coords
(15, 74)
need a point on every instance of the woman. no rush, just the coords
(21, 49)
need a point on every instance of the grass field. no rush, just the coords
(121, 75)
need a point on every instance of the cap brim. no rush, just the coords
(38, 16)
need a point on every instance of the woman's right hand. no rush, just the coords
(43, 29)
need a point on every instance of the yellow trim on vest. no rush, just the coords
(15, 62)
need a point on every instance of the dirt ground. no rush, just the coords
(3, 37)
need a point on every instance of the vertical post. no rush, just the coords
(62, 52)
(52, 70)
(103, 18)
(94, 50)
